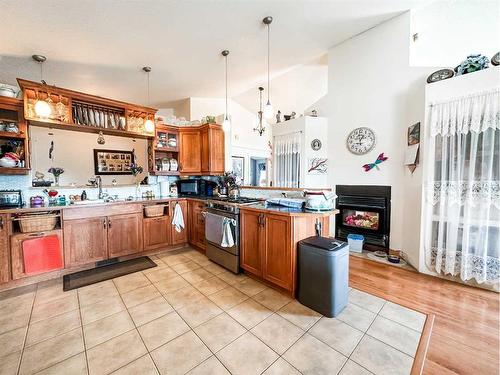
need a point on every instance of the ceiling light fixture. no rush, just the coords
(260, 120)
(268, 109)
(42, 108)
(226, 124)
(149, 125)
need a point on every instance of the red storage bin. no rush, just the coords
(42, 254)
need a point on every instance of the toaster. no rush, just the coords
(11, 198)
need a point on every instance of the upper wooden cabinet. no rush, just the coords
(78, 111)
(201, 150)
(190, 151)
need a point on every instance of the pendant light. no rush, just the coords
(42, 108)
(226, 124)
(149, 125)
(260, 115)
(268, 109)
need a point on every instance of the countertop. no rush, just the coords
(286, 210)
(47, 207)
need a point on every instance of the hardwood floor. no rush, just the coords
(465, 336)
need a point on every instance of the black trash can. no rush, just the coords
(323, 274)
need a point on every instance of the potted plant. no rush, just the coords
(56, 171)
(136, 172)
(230, 184)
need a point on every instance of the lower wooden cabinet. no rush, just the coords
(157, 232)
(269, 244)
(182, 236)
(89, 240)
(196, 220)
(85, 241)
(124, 234)
(4, 249)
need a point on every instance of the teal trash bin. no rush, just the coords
(323, 275)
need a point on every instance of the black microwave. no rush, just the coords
(195, 186)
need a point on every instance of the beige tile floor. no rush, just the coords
(189, 315)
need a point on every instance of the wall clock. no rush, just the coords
(361, 141)
(316, 144)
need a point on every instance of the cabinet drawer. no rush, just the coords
(99, 211)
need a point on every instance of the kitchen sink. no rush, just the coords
(89, 201)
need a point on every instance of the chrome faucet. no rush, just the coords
(98, 181)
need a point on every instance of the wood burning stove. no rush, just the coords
(365, 210)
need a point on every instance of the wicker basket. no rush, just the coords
(154, 210)
(37, 223)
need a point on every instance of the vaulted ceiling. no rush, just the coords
(99, 46)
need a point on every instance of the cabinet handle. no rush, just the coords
(39, 234)
(109, 223)
(1, 222)
(104, 223)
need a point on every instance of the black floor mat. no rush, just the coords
(102, 273)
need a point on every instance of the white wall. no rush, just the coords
(74, 152)
(450, 30)
(371, 84)
(311, 128)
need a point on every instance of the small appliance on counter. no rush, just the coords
(195, 187)
(11, 198)
(319, 200)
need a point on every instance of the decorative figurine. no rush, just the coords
(314, 113)
(472, 64)
(278, 117)
(292, 115)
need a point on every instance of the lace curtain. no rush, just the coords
(287, 160)
(462, 184)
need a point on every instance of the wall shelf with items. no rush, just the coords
(163, 151)
(72, 110)
(14, 147)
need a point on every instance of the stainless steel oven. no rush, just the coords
(217, 210)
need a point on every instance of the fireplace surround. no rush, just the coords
(365, 210)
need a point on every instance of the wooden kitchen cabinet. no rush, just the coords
(251, 242)
(189, 151)
(196, 220)
(85, 241)
(212, 149)
(4, 249)
(269, 243)
(124, 234)
(157, 232)
(182, 236)
(201, 150)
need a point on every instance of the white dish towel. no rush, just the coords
(178, 220)
(227, 233)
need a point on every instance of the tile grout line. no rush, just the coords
(83, 333)
(20, 360)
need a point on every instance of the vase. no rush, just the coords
(138, 190)
(56, 180)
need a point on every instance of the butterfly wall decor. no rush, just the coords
(381, 158)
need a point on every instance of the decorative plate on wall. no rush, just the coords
(361, 141)
(440, 75)
(316, 144)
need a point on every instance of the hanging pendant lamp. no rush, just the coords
(268, 109)
(226, 124)
(260, 115)
(42, 108)
(149, 125)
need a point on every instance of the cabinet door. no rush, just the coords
(182, 236)
(84, 241)
(190, 151)
(124, 234)
(251, 242)
(205, 150)
(156, 232)
(4, 249)
(196, 213)
(278, 257)
(217, 154)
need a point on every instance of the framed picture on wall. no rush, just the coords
(239, 167)
(111, 162)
